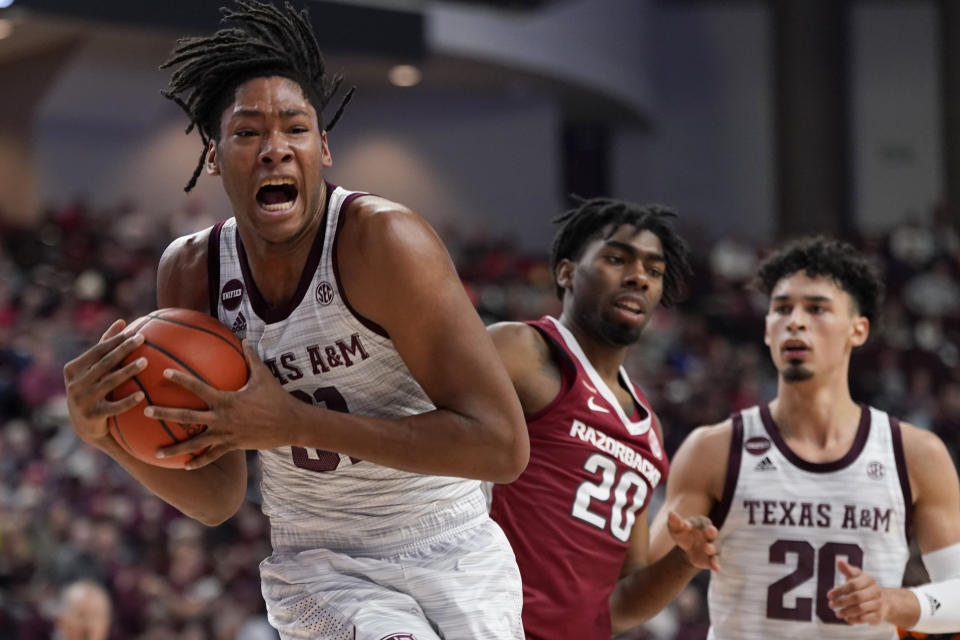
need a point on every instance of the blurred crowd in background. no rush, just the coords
(68, 512)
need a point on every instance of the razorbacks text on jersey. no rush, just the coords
(325, 354)
(569, 516)
(784, 522)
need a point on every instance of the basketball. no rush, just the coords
(183, 339)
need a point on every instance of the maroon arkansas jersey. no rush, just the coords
(592, 469)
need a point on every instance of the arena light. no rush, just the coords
(5, 3)
(6, 28)
(404, 75)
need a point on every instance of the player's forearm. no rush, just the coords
(439, 442)
(210, 494)
(643, 593)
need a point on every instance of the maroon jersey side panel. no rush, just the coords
(569, 515)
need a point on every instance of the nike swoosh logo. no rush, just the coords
(592, 390)
(593, 405)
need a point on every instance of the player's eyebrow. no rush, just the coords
(629, 248)
(811, 298)
(253, 112)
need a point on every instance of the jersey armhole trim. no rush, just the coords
(897, 440)
(213, 268)
(568, 372)
(718, 514)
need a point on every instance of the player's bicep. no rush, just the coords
(407, 284)
(695, 482)
(936, 515)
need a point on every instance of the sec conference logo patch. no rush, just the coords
(325, 297)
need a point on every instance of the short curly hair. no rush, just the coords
(601, 217)
(821, 256)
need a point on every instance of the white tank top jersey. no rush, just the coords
(784, 522)
(325, 354)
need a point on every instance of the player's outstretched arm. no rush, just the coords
(935, 606)
(396, 273)
(210, 495)
(661, 563)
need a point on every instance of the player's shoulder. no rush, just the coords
(188, 248)
(711, 438)
(922, 447)
(523, 349)
(182, 271)
(517, 335)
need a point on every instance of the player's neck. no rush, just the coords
(605, 358)
(277, 267)
(818, 414)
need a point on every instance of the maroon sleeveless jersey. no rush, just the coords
(591, 473)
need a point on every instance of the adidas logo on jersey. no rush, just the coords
(765, 465)
(934, 603)
(239, 327)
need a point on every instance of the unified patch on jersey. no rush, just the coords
(231, 295)
(757, 445)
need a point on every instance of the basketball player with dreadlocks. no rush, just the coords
(358, 334)
(816, 496)
(577, 516)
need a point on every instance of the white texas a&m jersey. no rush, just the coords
(326, 355)
(784, 522)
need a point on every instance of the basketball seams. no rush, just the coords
(181, 323)
(163, 423)
(187, 367)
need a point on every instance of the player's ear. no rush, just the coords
(859, 330)
(325, 158)
(564, 273)
(212, 163)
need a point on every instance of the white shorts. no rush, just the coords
(461, 585)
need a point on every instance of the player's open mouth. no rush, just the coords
(630, 306)
(795, 348)
(277, 195)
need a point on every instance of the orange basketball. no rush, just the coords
(183, 339)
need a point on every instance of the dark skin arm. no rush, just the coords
(397, 273)
(210, 495)
(644, 588)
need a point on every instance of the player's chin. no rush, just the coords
(796, 372)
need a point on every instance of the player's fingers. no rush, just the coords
(90, 360)
(847, 569)
(113, 379)
(113, 329)
(677, 523)
(205, 458)
(106, 408)
(198, 442)
(183, 416)
(192, 384)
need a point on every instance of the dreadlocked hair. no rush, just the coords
(601, 217)
(819, 256)
(263, 41)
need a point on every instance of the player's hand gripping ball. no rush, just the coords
(183, 339)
